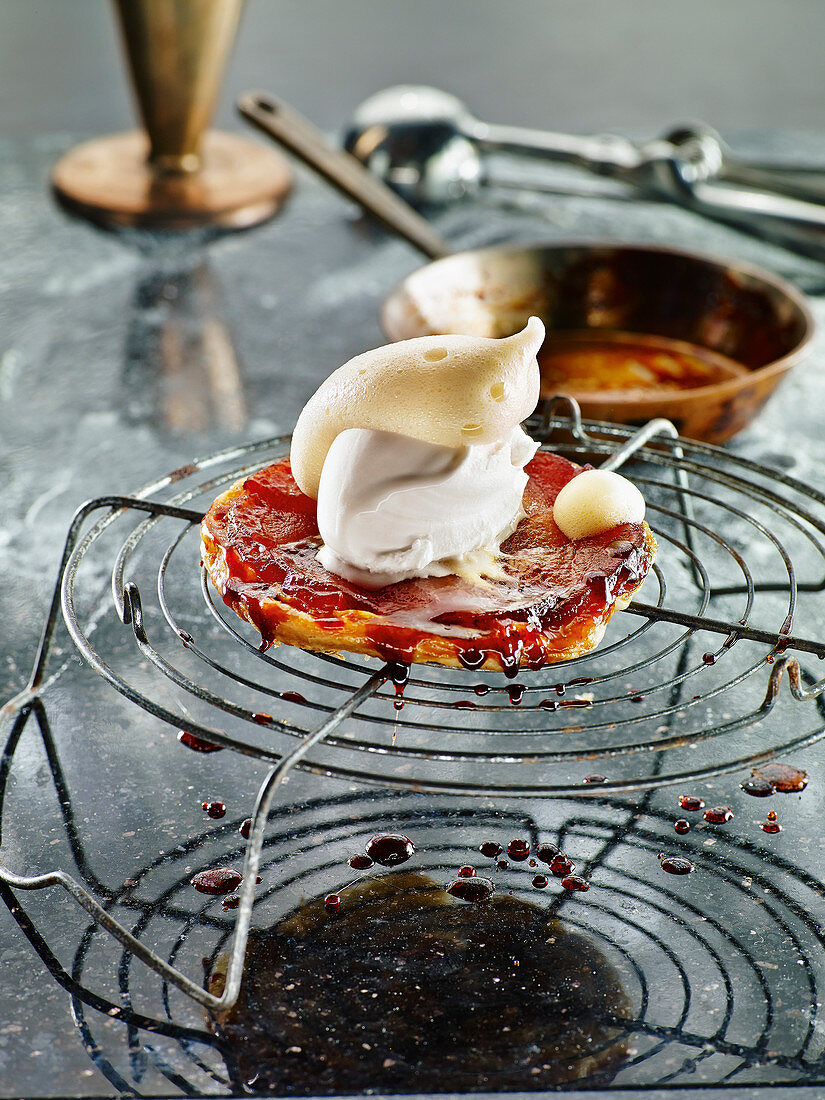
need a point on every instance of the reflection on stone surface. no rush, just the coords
(180, 370)
(406, 989)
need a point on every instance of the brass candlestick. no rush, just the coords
(174, 174)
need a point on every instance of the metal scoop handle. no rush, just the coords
(605, 154)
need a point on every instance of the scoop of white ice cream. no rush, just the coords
(391, 507)
(415, 455)
(596, 500)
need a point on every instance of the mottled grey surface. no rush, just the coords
(122, 357)
(104, 344)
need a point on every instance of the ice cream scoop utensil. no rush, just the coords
(427, 146)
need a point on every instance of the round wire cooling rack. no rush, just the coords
(696, 660)
(707, 998)
(686, 686)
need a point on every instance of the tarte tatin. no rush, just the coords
(260, 540)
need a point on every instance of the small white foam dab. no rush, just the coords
(596, 500)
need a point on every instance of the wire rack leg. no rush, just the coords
(115, 503)
(253, 853)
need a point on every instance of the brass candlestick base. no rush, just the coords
(176, 174)
(111, 181)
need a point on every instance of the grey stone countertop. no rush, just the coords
(122, 357)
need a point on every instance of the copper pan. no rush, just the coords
(737, 310)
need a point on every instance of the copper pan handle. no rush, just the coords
(304, 140)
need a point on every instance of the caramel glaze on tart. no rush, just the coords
(260, 539)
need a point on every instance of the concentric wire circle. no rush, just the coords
(684, 685)
(705, 999)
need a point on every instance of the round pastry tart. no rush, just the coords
(415, 520)
(551, 600)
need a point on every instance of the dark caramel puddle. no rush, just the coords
(405, 988)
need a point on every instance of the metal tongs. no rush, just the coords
(430, 148)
